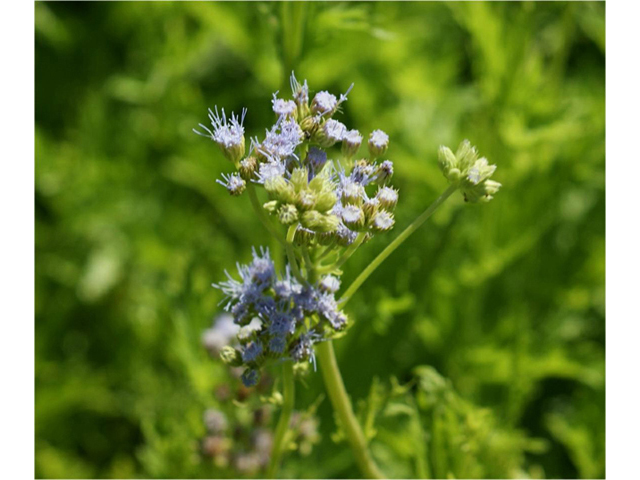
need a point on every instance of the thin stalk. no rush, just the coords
(255, 203)
(279, 442)
(291, 254)
(346, 255)
(342, 406)
(382, 256)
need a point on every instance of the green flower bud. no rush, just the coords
(306, 200)
(231, 356)
(247, 168)
(466, 155)
(325, 201)
(454, 175)
(279, 188)
(370, 208)
(310, 125)
(299, 178)
(318, 222)
(288, 214)
(304, 237)
(446, 160)
(271, 206)
(331, 132)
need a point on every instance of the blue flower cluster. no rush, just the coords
(280, 318)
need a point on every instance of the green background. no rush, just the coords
(505, 300)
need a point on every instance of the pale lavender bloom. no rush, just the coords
(383, 221)
(387, 196)
(300, 92)
(270, 169)
(220, 334)
(283, 107)
(334, 130)
(351, 214)
(324, 103)
(329, 283)
(227, 133)
(378, 139)
(281, 141)
(233, 182)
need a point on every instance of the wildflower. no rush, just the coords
(324, 103)
(387, 197)
(351, 141)
(316, 160)
(227, 133)
(329, 283)
(220, 334)
(384, 172)
(382, 221)
(332, 132)
(378, 143)
(353, 217)
(283, 107)
(234, 183)
(470, 173)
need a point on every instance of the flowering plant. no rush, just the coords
(323, 202)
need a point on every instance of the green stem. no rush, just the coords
(395, 244)
(255, 203)
(285, 418)
(346, 255)
(342, 406)
(291, 254)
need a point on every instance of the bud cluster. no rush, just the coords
(472, 175)
(279, 318)
(330, 201)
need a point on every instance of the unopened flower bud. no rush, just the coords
(330, 284)
(231, 356)
(271, 206)
(352, 193)
(318, 222)
(299, 179)
(353, 217)
(378, 143)
(466, 155)
(332, 132)
(279, 188)
(306, 199)
(370, 208)
(288, 214)
(384, 172)
(387, 197)
(325, 201)
(247, 168)
(446, 160)
(304, 236)
(351, 143)
(382, 221)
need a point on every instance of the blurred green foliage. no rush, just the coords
(491, 318)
